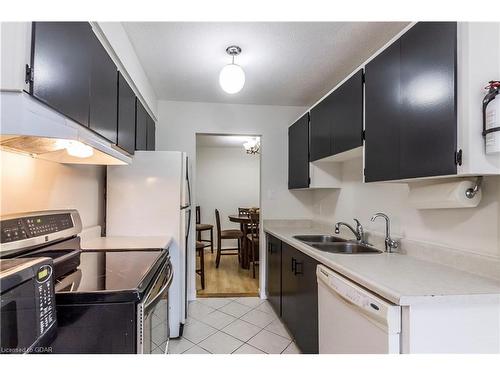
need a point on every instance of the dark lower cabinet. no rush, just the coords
(274, 273)
(61, 65)
(126, 116)
(300, 297)
(141, 127)
(298, 300)
(151, 134)
(411, 110)
(103, 92)
(298, 154)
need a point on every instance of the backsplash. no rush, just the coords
(468, 230)
(30, 184)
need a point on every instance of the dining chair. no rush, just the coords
(200, 228)
(226, 234)
(200, 250)
(243, 211)
(253, 240)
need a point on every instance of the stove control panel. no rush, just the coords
(34, 226)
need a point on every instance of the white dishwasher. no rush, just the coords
(354, 320)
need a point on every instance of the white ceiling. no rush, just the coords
(231, 141)
(287, 63)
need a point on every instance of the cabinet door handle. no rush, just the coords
(298, 271)
(294, 263)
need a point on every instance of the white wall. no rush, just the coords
(474, 230)
(29, 184)
(226, 178)
(179, 122)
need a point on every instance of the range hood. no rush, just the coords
(28, 126)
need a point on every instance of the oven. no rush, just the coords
(152, 314)
(106, 300)
(28, 313)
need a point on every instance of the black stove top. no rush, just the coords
(111, 276)
(114, 270)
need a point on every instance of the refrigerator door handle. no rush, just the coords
(188, 182)
(188, 225)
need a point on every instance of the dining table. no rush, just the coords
(244, 221)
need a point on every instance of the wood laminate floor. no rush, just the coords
(229, 280)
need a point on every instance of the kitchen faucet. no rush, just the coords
(389, 242)
(358, 232)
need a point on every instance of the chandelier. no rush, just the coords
(252, 146)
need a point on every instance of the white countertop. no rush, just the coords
(126, 243)
(401, 279)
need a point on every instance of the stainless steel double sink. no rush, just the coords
(336, 245)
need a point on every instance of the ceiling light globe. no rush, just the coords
(232, 78)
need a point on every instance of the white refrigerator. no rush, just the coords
(151, 197)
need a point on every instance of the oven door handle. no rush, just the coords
(161, 292)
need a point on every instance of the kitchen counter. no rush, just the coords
(128, 243)
(401, 279)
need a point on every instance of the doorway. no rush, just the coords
(227, 215)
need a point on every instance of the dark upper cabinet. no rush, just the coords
(410, 119)
(73, 74)
(141, 127)
(103, 92)
(126, 116)
(428, 92)
(298, 153)
(151, 134)
(320, 129)
(337, 121)
(61, 66)
(300, 297)
(274, 273)
(382, 115)
(347, 115)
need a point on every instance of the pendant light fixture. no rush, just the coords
(232, 76)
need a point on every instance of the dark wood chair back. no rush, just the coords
(217, 221)
(243, 211)
(198, 215)
(253, 227)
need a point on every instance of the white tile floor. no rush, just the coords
(245, 325)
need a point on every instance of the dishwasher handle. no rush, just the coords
(383, 313)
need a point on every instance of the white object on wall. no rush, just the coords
(443, 195)
(493, 121)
